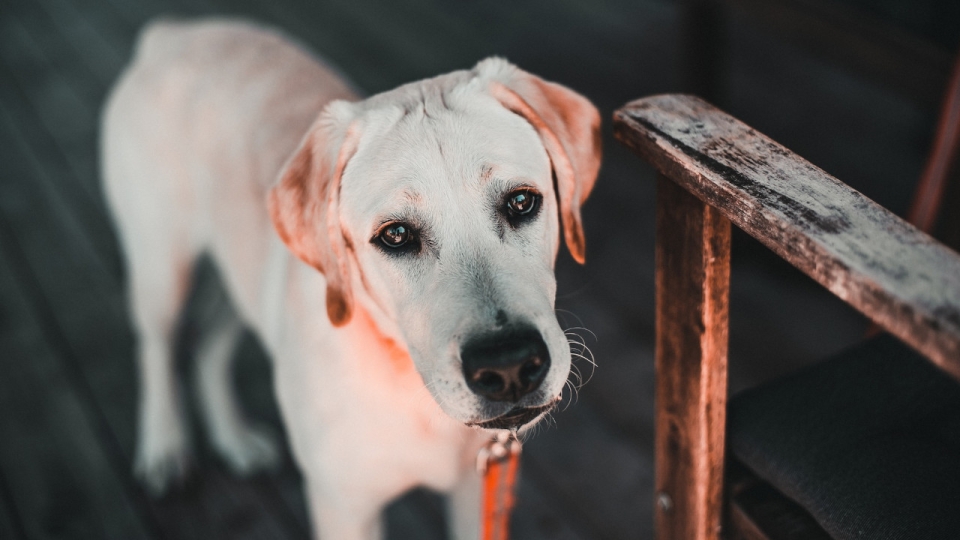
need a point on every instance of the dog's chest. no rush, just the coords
(355, 407)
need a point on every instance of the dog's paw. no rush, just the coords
(160, 467)
(250, 450)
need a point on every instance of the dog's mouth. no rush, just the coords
(515, 417)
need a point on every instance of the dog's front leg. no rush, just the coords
(463, 507)
(342, 514)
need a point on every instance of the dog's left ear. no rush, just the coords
(305, 203)
(568, 125)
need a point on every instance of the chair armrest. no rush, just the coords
(901, 278)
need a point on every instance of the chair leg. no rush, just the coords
(692, 284)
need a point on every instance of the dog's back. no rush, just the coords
(194, 134)
(192, 137)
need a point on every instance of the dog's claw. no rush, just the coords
(252, 450)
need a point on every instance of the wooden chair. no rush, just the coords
(715, 170)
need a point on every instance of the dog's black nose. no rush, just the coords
(505, 365)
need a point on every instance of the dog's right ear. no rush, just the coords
(304, 203)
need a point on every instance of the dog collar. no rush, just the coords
(498, 462)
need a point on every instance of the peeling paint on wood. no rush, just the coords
(899, 277)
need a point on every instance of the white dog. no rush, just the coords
(394, 255)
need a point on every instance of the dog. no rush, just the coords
(395, 256)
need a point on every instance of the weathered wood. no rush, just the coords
(692, 280)
(902, 279)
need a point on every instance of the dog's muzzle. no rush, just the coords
(506, 365)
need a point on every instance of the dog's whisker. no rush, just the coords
(574, 390)
(578, 354)
(576, 344)
(577, 388)
(537, 429)
(573, 331)
(547, 420)
(587, 352)
(574, 396)
(593, 367)
(572, 314)
(572, 339)
(583, 350)
(581, 355)
(586, 359)
(584, 328)
(575, 372)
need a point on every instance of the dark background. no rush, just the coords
(852, 85)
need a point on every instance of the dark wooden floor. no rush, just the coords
(67, 379)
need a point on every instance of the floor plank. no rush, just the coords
(44, 143)
(10, 525)
(90, 45)
(61, 479)
(66, 108)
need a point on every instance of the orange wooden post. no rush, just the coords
(692, 283)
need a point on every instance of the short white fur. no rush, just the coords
(195, 136)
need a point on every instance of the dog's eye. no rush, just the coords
(521, 205)
(521, 202)
(395, 235)
(397, 239)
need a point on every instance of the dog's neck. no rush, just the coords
(373, 369)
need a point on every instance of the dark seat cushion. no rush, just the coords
(868, 442)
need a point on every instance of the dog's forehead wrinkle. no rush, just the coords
(410, 94)
(407, 205)
(412, 197)
(486, 172)
(491, 130)
(433, 100)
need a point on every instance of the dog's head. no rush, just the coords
(437, 208)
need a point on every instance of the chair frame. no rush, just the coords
(715, 170)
